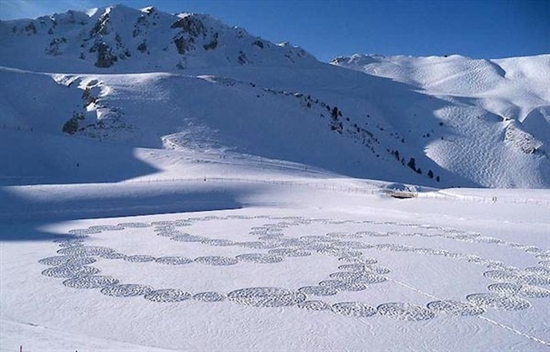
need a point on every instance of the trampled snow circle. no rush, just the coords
(67, 260)
(173, 260)
(288, 252)
(405, 311)
(500, 302)
(92, 281)
(133, 225)
(318, 290)
(315, 305)
(85, 251)
(168, 295)
(126, 290)
(70, 242)
(67, 271)
(216, 260)
(139, 258)
(528, 291)
(112, 255)
(259, 258)
(209, 296)
(266, 297)
(354, 309)
(456, 308)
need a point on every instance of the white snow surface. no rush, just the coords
(198, 201)
(298, 265)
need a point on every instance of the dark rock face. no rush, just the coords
(105, 58)
(191, 25)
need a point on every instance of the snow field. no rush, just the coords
(392, 269)
(333, 264)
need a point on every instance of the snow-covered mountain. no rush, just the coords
(89, 88)
(499, 110)
(122, 39)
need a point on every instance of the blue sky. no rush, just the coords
(328, 28)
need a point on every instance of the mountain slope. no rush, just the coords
(504, 104)
(118, 79)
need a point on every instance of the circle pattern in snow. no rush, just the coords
(85, 251)
(106, 228)
(133, 225)
(209, 297)
(354, 309)
(509, 289)
(216, 260)
(500, 302)
(365, 278)
(456, 308)
(139, 258)
(318, 290)
(289, 252)
(315, 305)
(70, 243)
(530, 291)
(539, 270)
(92, 281)
(266, 297)
(259, 258)
(358, 260)
(83, 232)
(188, 238)
(517, 276)
(405, 311)
(163, 223)
(173, 260)
(377, 269)
(67, 260)
(352, 267)
(112, 255)
(257, 245)
(126, 290)
(66, 271)
(168, 295)
(219, 242)
(356, 272)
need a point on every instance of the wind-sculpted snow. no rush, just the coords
(511, 289)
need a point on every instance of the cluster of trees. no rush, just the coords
(412, 165)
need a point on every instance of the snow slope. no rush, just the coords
(198, 83)
(509, 96)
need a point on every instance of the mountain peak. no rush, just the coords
(119, 38)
